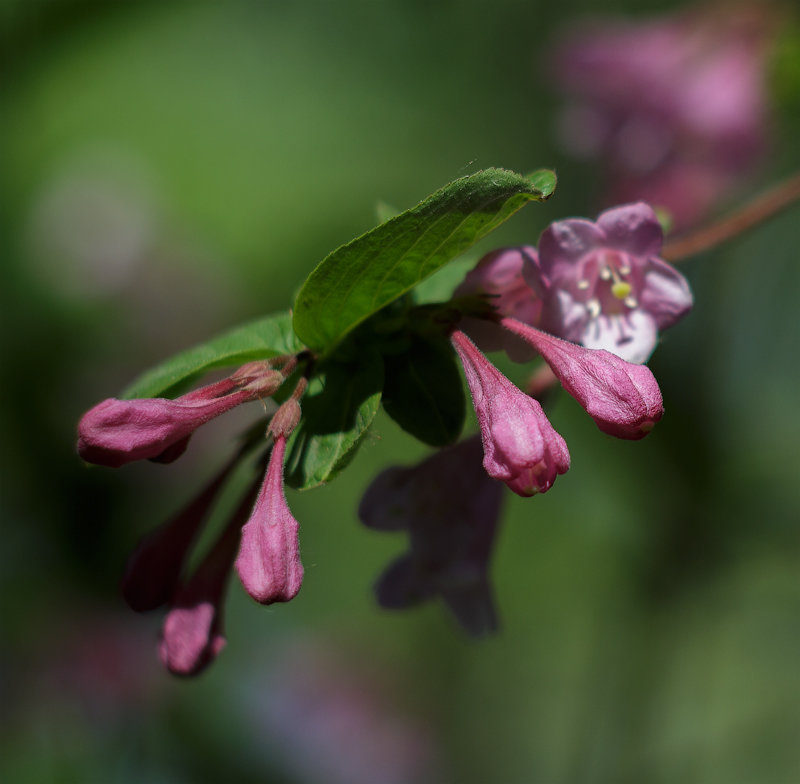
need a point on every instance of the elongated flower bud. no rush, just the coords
(269, 556)
(520, 445)
(116, 432)
(623, 398)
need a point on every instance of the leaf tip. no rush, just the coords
(544, 181)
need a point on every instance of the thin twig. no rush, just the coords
(765, 206)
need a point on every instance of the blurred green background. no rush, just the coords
(171, 169)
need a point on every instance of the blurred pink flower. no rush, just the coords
(450, 507)
(90, 659)
(332, 715)
(674, 107)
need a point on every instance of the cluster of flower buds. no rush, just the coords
(261, 529)
(590, 302)
(602, 293)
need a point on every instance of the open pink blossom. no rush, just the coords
(450, 507)
(607, 286)
(622, 397)
(269, 556)
(520, 446)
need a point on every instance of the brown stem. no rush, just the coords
(761, 208)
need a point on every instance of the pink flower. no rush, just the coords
(269, 557)
(450, 508)
(676, 107)
(623, 398)
(116, 432)
(520, 445)
(607, 287)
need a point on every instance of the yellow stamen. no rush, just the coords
(621, 289)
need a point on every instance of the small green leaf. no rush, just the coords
(335, 420)
(361, 277)
(267, 337)
(424, 394)
(544, 180)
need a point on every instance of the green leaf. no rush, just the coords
(267, 337)
(335, 420)
(424, 394)
(361, 277)
(544, 180)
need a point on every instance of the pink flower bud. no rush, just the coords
(623, 398)
(269, 556)
(116, 432)
(285, 419)
(520, 445)
(191, 638)
(251, 371)
(265, 385)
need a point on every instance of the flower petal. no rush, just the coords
(566, 242)
(631, 337)
(666, 294)
(632, 228)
